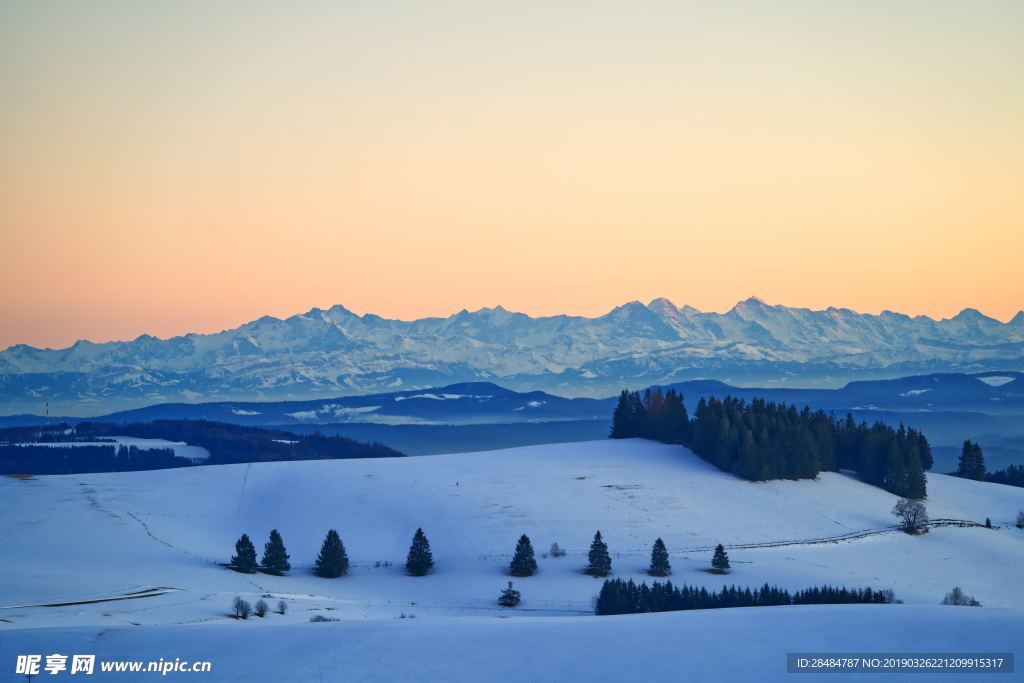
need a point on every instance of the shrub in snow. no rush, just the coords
(523, 562)
(275, 558)
(1020, 520)
(913, 515)
(720, 560)
(509, 597)
(241, 609)
(988, 522)
(556, 550)
(261, 608)
(282, 606)
(332, 561)
(244, 559)
(958, 597)
(659, 560)
(420, 560)
(320, 619)
(599, 563)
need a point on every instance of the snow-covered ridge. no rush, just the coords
(335, 351)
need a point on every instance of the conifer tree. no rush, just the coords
(523, 561)
(420, 560)
(244, 559)
(720, 560)
(972, 462)
(599, 563)
(659, 560)
(332, 561)
(275, 558)
(509, 597)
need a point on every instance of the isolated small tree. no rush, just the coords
(720, 560)
(958, 597)
(557, 551)
(244, 559)
(599, 563)
(261, 608)
(659, 560)
(913, 516)
(420, 560)
(275, 558)
(332, 561)
(509, 597)
(523, 561)
(241, 609)
(1020, 520)
(282, 607)
(988, 522)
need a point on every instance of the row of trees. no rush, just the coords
(332, 561)
(625, 597)
(761, 440)
(1013, 475)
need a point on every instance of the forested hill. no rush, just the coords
(91, 447)
(229, 443)
(760, 440)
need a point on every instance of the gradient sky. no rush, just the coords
(188, 166)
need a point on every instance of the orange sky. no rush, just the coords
(188, 168)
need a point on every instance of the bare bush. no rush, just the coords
(958, 597)
(241, 609)
(913, 516)
(261, 608)
(282, 606)
(556, 551)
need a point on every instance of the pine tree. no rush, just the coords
(333, 560)
(244, 559)
(621, 418)
(509, 596)
(420, 561)
(275, 558)
(599, 563)
(523, 562)
(659, 560)
(720, 560)
(972, 462)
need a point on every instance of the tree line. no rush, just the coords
(333, 561)
(626, 597)
(761, 440)
(72, 459)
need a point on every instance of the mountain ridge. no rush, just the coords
(329, 351)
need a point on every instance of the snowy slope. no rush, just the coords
(101, 536)
(713, 645)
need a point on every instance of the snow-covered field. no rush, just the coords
(95, 537)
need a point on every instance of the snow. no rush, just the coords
(713, 645)
(440, 397)
(333, 409)
(994, 381)
(138, 531)
(915, 392)
(240, 411)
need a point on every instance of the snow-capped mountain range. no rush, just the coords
(335, 351)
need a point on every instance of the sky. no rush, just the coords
(189, 166)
